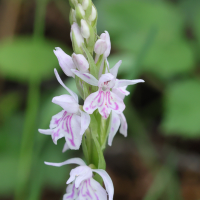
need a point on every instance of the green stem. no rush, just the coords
(27, 144)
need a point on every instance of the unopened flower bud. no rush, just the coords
(93, 15)
(100, 46)
(80, 62)
(72, 16)
(106, 37)
(85, 31)
(77, 33)
(85, 4)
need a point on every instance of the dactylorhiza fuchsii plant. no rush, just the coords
(101, 115)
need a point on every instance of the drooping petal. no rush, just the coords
(67, 102)
(76, 161)
(120, 92)
(93, 101)
(71, 192)
(45, 131)
(106, 80)
(65, 61)
(107, 181)
(80, 174)
(88, 78)
(115, 123)
(85, 122)
(114, 70)
(122, 83)
(80, 62)
(74, 95)
(124, 126)
(65, 148)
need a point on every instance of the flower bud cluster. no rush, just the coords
(101, 115)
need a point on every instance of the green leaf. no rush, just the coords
(24, 58)
(182, 109)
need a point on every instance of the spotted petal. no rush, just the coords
(107, 181)
(115, 123)
(74, 95)
(88, 78)
(56, 119)
(72, 192)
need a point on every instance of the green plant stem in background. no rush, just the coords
(28, 137)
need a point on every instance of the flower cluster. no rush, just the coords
(101, 115)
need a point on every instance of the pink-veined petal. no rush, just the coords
(74, 95)
(107, 181)
(115, 123)
(88, 78)
(71, 192)
(122, 83)
(120, 92)
(65, 148)
(55, 120)
(85, 122)
(114, 70)
(45, 131)
(67, 102)
(124, 126)
(76, 161)
(80, 174)
(93, 101)
(106, 80)
(65, 61)
(114, 102)
(57, 133)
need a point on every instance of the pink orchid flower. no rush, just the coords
(70, 123)
(105, 100)
(82, 185)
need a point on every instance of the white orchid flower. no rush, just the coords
(70, 123)
(82, 185)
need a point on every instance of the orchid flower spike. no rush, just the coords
(70, 123)
(82, 185)
(104, 100)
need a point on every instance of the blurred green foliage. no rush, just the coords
(172, 60)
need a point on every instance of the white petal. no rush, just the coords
(56, 135)
(107, 181)
(114, 70)
(120, 92)
(71, 192)
(93, 101)
(80, 174)
(88, 78)
(124, 126)
(93, 15)
(85, 122)
(56, 119)
(77, 161)
(115, 123)
(74, 95)
(85, 31)
(80, 62)
(65, 61)
(67, 102)
(106, 78)
(122, 83)
(65, 148)
(45, 131)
